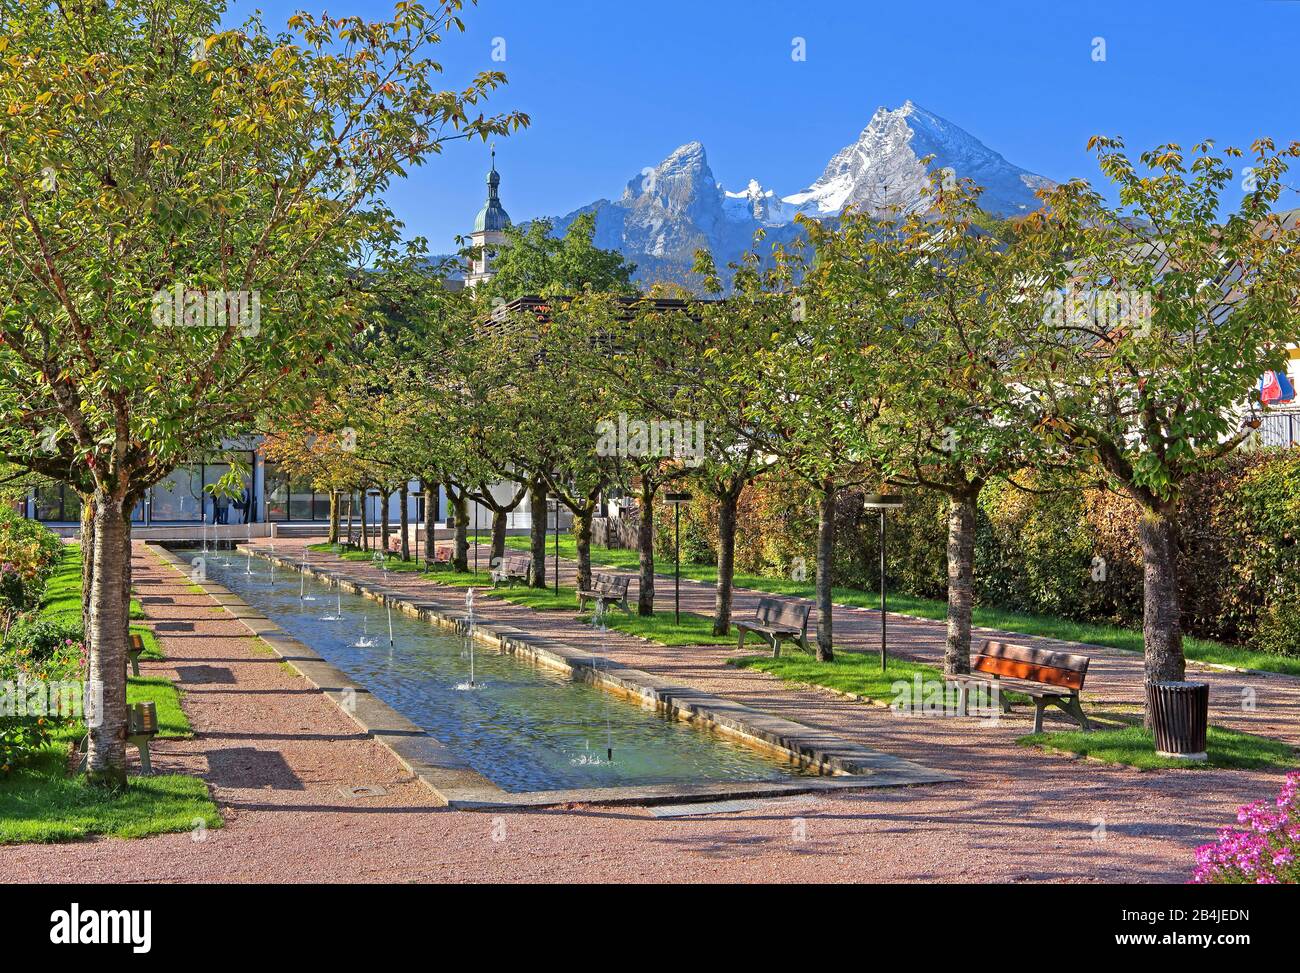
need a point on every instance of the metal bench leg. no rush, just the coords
(776, 646)
(961, 699)
(740, 643)
(135, 665)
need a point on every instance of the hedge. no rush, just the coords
(1071, 552)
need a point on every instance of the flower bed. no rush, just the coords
(1267, 854)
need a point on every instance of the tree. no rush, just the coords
(535, 262)
(802, 374)
(679, 364)
(182, 213)
(947, 303)
(1147, 359)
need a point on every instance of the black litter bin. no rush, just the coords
(1180, 712)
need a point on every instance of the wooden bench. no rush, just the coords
(354, 538)
(441, 557)
(394, 543)
(606, 589)
(1048, 678)
(512, 570)
(777, 621)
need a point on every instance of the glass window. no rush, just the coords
(179, 497)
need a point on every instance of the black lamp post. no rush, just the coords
(553, 503)
(676, 500)
(882, 503)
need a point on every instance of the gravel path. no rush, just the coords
(276, 752)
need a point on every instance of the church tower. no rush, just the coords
(489, 230)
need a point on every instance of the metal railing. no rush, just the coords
(1278, 429)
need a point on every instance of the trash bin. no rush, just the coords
(1180, 712)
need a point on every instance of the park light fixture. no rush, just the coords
(882, 502)
(676, 500)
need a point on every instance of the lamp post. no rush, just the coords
(882, 503)
(676, 500)
(553, 503)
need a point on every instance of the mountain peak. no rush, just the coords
(886, 168)
(671, 209)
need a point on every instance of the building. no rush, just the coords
(489, 230)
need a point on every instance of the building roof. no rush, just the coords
(493, 215)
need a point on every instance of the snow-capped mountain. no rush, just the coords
(669, 211)
(884, 168)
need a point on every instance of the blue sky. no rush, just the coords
(616, 85)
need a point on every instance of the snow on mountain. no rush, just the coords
(670, 210)
(755, 203)
(884, 168)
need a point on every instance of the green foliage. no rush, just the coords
(535, 262)
(29, 553)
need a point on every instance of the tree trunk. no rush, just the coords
(128, 574)
(107, 639)
(351, 512)
(1161, 608)
(961, 589)
(334, 516)
(537, 494)
(384, 530)
(499, 519)
(645, 546)
(430, 518)
(724, 590)
(403, 495)
(582, 538)
(87, 559)
(825, 572)
(460, 509)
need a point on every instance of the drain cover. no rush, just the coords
(365, 790)
(723, 807)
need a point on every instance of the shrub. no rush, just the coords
(42, 638)
(29, 552)
(1267, 854)
(24, 732)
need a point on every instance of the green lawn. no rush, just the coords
(850, 672)
(62, 601)
(692, 630)
(1134, 747)
(1047, 626)
(42, 802)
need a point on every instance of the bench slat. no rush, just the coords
(1032, 665)
(1038, 657)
